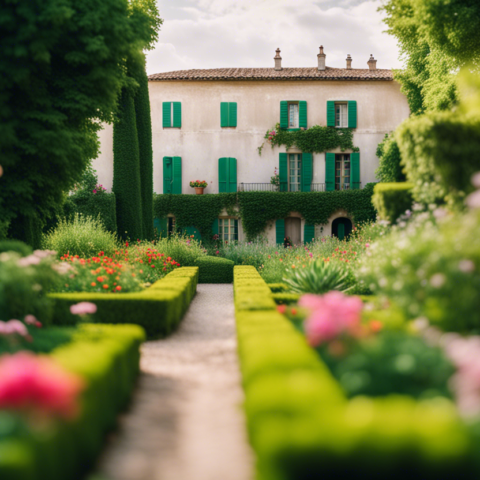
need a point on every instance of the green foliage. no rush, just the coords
(278, 287)
(389, 169)
(215, 270)
(99, 205)
(82, 236)
(391, 200)
(107, 359)
(285, 298)
(61, 71)
(431, 271)
(182, 249)
(158, 309)
(316, 139)
(318, 277)
(15, 246)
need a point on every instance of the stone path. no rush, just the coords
(186, 421)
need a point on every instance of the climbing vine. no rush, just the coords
(257, 209)
(316, 139)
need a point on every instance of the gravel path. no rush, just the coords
(186, 421)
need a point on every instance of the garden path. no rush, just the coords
(186, 422)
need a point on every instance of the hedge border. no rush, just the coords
(215, 270)
(391, 200)
(158, 309)
(301, 425)
(107, 357)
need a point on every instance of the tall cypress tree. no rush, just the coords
(144, 132)
(126, 169)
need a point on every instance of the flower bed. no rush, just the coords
(301, 424)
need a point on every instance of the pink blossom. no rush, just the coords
(94, 191)
(473, 200)
(476, 180)
(367, 245)
(13, 327)
(30, 320)
(83, 308)
(30, 260)
(37, 384)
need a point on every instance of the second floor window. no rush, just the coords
(341, 115)
(293, 115)
(295, 172)
(342, 172)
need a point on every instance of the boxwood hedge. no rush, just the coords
(215, 270)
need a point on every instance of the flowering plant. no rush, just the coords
(198, 184)
(99, 189)
(275, 179)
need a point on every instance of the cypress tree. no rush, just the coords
(126, 169)
(144, 132)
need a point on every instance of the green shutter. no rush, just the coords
(177, 175)
(222, 174)
(280, 230)
(232, 114)
(341, 231)
(215, 227)
(167, 174)
(232, 175)
(330, 113)
(308, 233)
(189, 231)
(283, 172)
(284, 114)
(307, 171)
(161, 226)
(355, 170)
(302, 114)
(167, 117)
(352, 114)
(224, 114)
(177, 115)
(329, 172)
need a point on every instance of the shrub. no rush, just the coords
(15, 246)
(183, 249)
(82, 236)
(391, 200)
(215, 270)
(278, 287)
(389, 169)
(96, 205)
(285, 298)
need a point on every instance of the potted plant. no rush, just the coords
(199, 185)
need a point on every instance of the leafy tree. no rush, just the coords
(389, 169)
(62, 68)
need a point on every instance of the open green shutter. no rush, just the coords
(224, 114)
(352, 114)
(222, 174)
(167, 114)
(177, 175)
(308, 233)
(355, 167)
(215, 227)
(232, 175)
(232, 114)
(341, 231)
(329, 172)
(280, 230)
(161, 226)
(284, 114)
(302, 114)
(330, 113)
(283, 172)
(177, 115)
(307, 172)
(167, 174)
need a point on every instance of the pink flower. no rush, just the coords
(13, 327)
(83, 308)
(367, 245)
(476, 180)
(37, 384)
(30, 320)
(473, 200)
(94, 191)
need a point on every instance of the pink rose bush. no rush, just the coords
(37, 385)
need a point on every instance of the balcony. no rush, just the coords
(269, 187)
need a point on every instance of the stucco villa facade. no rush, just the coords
(208, 125)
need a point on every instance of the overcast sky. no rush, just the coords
(245, 33)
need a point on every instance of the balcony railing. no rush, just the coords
(269, 187)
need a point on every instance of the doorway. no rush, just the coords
(293, 230)
(341, 228)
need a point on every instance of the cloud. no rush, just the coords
(245, 33)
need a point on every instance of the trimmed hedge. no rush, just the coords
(215, 270)
(93, 205)
(158, 309)
(391, 200)
(107, 357)
(285, 298)
(278, 287)
(301, 425)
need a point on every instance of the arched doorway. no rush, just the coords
(341, 227)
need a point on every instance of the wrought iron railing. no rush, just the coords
(257, 187)
(314, 187)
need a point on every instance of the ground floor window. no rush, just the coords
(294, 172)
(228, 229)
(171, 226)
(342, 172)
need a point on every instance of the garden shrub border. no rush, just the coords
(215, 270)
(108, 358)
(391, 200)
(158, 309)
(302, 426)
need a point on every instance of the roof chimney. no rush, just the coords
(372, 63)
(278, 60)
(349, 62)
(321, 59)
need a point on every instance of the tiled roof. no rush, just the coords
(309, 73)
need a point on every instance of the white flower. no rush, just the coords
(476, 180)
(27, 261)
(466, 266)
(61, 267)
(473, 200)
(437, 280)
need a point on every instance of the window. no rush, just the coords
(294, 172)
(293, 115)
(341, 115)
(342, 172)
(172, 115)
(228, 229)
(228, 114)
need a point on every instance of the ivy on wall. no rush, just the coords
(316, 139)
(257, 209)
